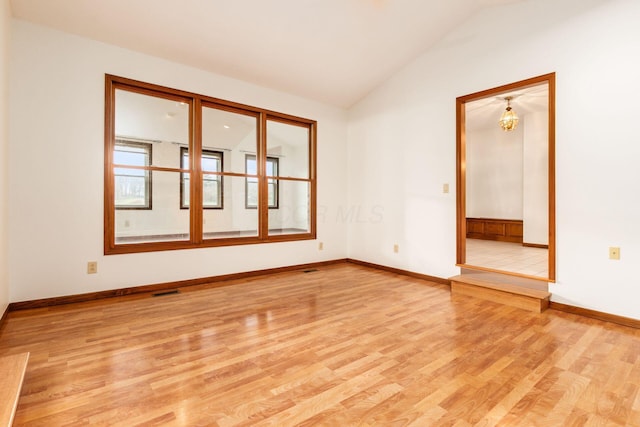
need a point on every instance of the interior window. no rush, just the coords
(184, 170)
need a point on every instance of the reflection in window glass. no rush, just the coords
(132, 186)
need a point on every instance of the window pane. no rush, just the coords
(272, 166)
(130, 172)
(273, 193)
(212, 184)
(252, 193)
(212, 188)
(210, 163)
(251, 190)
(232, 133)
(164, 222)
(132, 186)
(272, 184)
(252, 166)
(131, 191)
(125, 155)
(290, 145)
(185, 191)
(293, 215)
(252, 183)
(151, 119)
(234, 220)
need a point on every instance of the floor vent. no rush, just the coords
(170, 292)
(312, 270)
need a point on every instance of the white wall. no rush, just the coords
(56, 175)
(495, 173)
(5, 37)
(402, 144)
(535, 185)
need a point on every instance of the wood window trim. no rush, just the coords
(195, 104)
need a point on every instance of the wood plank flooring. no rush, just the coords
(343, 346)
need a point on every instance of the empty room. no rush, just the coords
(304, 212)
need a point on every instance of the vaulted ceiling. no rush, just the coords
(333, 51)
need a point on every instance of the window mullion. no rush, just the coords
(195, 164)
(263, 188)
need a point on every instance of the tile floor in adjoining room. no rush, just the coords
(508, 256)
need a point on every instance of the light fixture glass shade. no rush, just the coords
(509, 119)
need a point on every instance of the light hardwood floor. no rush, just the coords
(343, 346)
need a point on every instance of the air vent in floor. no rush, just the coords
(163, 293)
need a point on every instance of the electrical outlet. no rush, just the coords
(396, 248)
(320, 246)
(614, 252)
(92, 267)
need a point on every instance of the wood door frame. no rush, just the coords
(550, 80)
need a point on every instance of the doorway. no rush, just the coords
(506, 180)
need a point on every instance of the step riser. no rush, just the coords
(534, 304)
(12, 371)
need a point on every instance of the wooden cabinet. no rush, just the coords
(504, 230)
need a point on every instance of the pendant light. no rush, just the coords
(509, 119)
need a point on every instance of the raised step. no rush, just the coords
(516, 296)
(12, 370)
